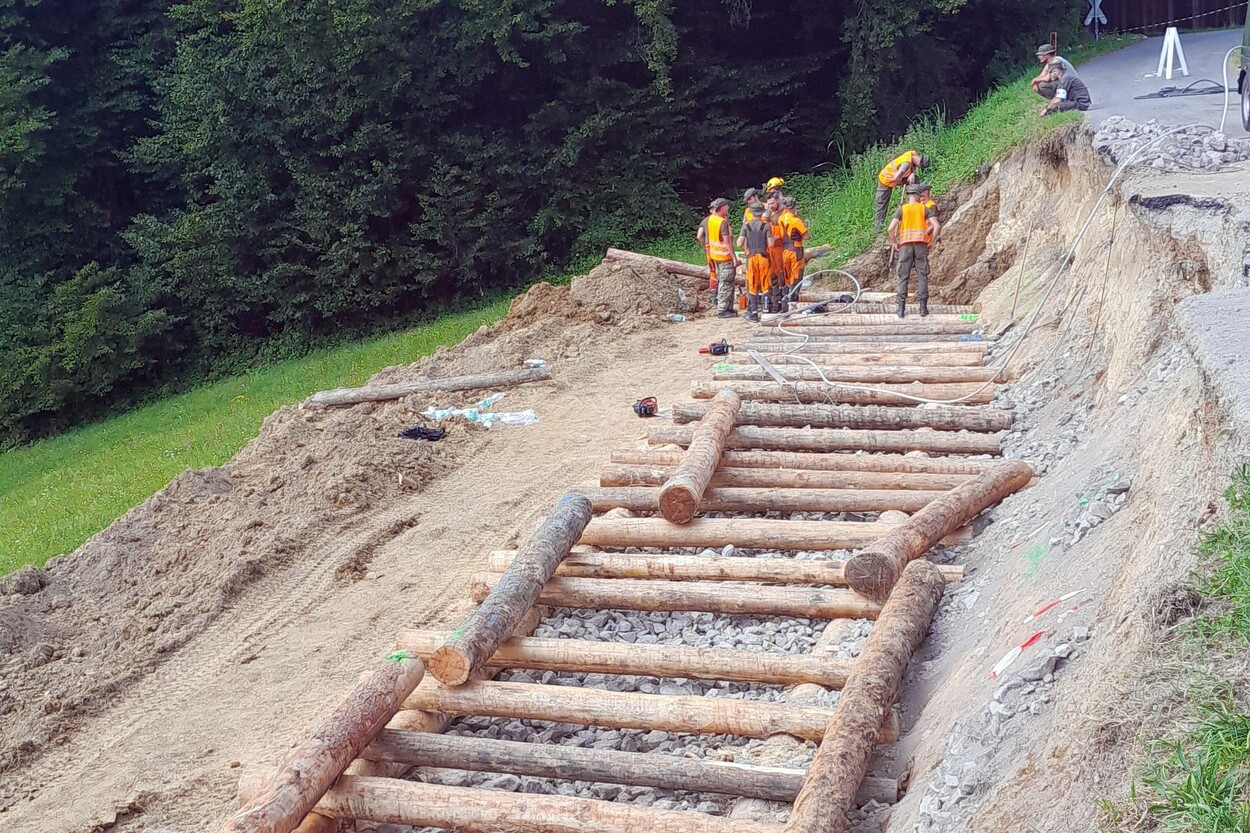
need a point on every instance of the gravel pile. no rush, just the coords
(700, 630)
(1191, 149)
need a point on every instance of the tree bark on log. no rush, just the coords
(874, 570)
(855, 318)
(763, 338)
(820, 392)
(380, 393)
(897, 375)
(965, 358)
(627, 710)
(493, 622)
(747, 533)
(743, 478)
(676, 267)
(678, 500)
(644, 498)
(678, 661)
(469, 810)
(698, 568)
(292, 792)
(704, 597)
(818, 326)
(873, 417)
(883, 463)
(842, 759)
(837, 439)
(804, 344)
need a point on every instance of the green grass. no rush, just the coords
(57, 493)
(1199, 780)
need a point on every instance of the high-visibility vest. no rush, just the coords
(914, 227)
(890, 176)
(748, 215)
(792, 230)
(718, 251)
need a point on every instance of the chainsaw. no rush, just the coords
(717, 348)
(646, 407)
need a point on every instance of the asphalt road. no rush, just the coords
(1115, 81)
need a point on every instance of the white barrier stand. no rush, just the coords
(1172, 51)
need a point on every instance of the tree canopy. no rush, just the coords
(187, 188)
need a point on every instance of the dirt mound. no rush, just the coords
(629, 295)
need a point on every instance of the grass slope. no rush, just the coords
(57, 493)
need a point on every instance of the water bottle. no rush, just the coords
(675, 317)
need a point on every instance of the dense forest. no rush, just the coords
(187, 188)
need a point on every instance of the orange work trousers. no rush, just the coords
(759, 274)
(776, 265)
(792, 265)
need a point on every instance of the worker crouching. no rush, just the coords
(913, 229)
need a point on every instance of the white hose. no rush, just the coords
(1050, 288)
(1224, 114)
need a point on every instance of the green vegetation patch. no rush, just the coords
(58, 492)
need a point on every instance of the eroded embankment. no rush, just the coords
(1133, 442)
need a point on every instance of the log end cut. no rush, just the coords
(678, 504)
(872, 574)
(451, 665)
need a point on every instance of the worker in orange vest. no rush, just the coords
(912, 230)
(903, 169)
(776, 263)
(755, 239)
(717, 238)
(794, 236)
(926, 197)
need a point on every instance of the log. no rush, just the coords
(469, 810)
(490, 624)
(749, 501)
(951, 359)
(626, 710)
(676, 267)
(837, 439)
(765, 338)
(864, 375)
(886, 463)
(290, 794)
(875, 570)
(877, 394)
(380, 393)
(746, 533)
(704, 597)
(805, 344)
(879, 417)
(819, 326)
(697, 568)
(679, 499)
(817, 294)
(844, 754)
(621, 475)
(678, 661)
(856, 318)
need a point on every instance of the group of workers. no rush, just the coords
(774, 236)
(773, 239)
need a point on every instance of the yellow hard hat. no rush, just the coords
(774, 183)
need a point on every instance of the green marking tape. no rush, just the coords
(398, 656)
(968, 316)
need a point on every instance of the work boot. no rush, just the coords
(924, 307)
(753, 307)
(902, 307)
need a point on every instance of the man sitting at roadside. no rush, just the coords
(1070, 93)
(1051, 61)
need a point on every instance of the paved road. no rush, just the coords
(1115, 80)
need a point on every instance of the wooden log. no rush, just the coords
(964, 358)
(744, 478)
(704, 597)
(380, 393)
(676, 267)
(746, 533)
(573, 763)
(837, 439)
(583, 656)
(875, 570)
(877, 394)
(820, 326)
(697, 568)
(290, 794)
(854, 373)
(678, 500)
(625, 710)
(469, 810)
(644, 498)
(878, 417)
(892, 463)
(818, 294)
(844, 754)
(493, 622)
(806, 344)
(856, 318)
(763, 338)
